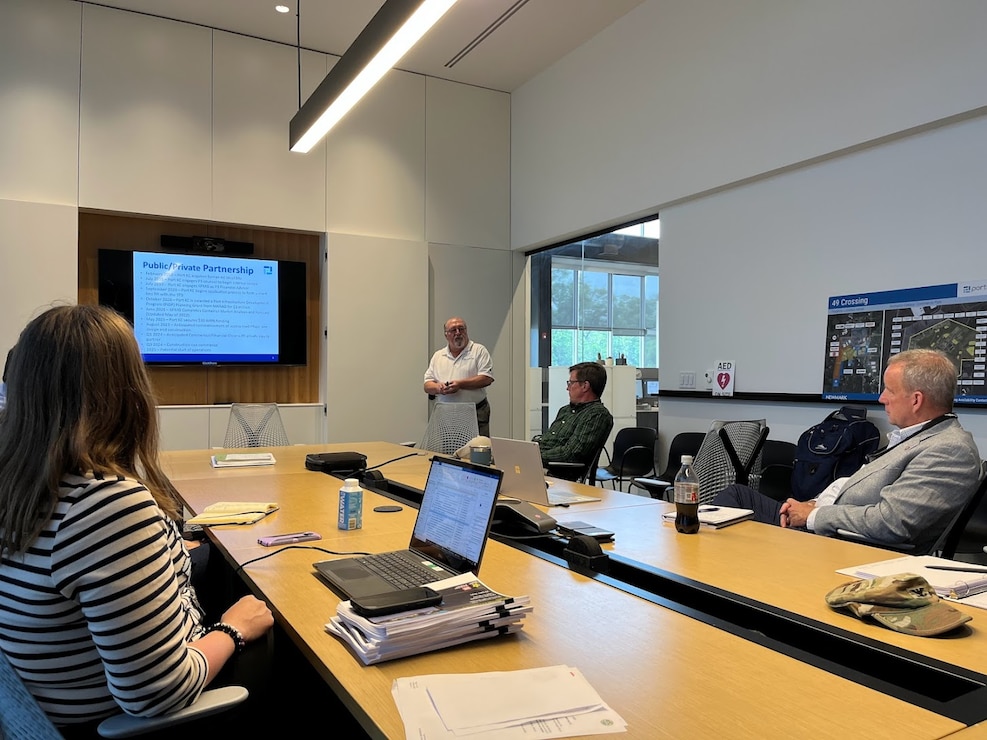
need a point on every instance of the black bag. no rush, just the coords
(336, 462)
(834, 448)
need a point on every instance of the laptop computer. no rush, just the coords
(524, 477)
(448, 539)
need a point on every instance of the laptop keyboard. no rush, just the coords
(400, 572)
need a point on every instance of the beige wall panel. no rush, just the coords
(184, 427)
(376, 162)
(256, 179)
(476, 284)
(468, 153)
(39, 257)
(378, 339)
(39, 100)
(145, 130)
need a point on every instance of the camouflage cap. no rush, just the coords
(904, 602)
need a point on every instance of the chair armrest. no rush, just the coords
(209, 702)
(656, 487)
(846, 534)
(566, 470)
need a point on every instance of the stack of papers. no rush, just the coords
(232, 512)
(715, 517)
(469, 611)
(242, 459)
(956, 581)
(556, 701)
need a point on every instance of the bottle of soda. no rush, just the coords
(686, 498)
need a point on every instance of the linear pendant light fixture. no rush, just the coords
(395, 28)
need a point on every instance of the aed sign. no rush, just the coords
(724, 378)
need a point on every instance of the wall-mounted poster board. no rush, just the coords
(865, 329)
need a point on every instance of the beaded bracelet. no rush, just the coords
(230, 630)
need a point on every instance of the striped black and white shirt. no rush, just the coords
(97, 613)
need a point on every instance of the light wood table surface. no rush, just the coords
(667, 674)
(789, 569)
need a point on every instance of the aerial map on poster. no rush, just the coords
(864, 330)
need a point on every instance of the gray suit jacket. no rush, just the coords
(911, 493)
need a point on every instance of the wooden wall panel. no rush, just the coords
(210, 385)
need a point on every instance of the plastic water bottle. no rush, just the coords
(686, 498)
(350, 505)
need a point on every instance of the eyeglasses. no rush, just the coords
(570, 382)
(456, 330)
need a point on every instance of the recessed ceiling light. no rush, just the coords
(282, 8)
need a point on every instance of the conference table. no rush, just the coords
(665, 668)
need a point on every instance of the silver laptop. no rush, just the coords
(448, 539)
(524, 477)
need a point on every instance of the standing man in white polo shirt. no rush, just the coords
(460, 372)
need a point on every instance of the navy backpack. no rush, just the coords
(834, 448)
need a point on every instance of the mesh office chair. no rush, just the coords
(255, 425)
(730, 453)
(450, 427)
(22, 719)
(633, 456)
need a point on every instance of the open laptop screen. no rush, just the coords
(456, 512)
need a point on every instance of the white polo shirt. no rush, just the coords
(473, 360)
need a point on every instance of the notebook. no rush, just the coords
(950, 579)
(448, 538)
(524, 477)
(716, 517)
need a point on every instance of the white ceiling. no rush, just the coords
(500, 44)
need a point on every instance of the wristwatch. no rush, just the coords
(230, 630)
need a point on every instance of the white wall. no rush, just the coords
(765, 257)
(676, 98)
(120, 112)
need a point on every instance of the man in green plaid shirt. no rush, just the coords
(581, 428)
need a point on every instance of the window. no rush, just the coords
(598, 297)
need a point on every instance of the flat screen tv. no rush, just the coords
(193, 309)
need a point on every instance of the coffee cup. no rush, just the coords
(480, 454)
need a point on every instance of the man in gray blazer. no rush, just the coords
(909, 492)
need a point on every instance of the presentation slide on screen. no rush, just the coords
(190, 308)
(864, 330)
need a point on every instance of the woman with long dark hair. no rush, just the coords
(97, 613)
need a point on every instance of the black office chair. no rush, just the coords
(633, 456)
(579, 471)
(777, 464)
(683, 443)
(950, 539)
(963, 521)
(574, 471)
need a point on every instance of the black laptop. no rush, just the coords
(448, 539)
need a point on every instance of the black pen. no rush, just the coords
(959, 568)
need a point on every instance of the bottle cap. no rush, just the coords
(351, 483)
(687, 459)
